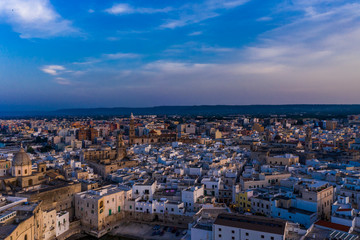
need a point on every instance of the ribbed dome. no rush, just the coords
(21, 158)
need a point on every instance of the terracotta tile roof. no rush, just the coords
(344, 210)
(333, 226)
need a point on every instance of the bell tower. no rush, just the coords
(132, 129)
(120, 147)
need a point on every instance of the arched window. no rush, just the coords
(25, 171)
(25, 238)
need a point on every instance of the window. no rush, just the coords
(219, 235)
(247, 234)
(262, 236)
(272, 238)
(219, 229)
(232, 231)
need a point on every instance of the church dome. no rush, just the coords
(21, 158)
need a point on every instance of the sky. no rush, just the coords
(86, 53)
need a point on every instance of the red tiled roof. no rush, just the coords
(333, 226)
(344, 210)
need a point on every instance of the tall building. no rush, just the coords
(120, 147)
(132, 129)
(308, 139)
(87, 134)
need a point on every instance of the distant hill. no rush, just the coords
(218, 110)
(204, 110)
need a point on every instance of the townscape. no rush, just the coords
(175, 177)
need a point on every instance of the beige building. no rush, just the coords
(49, 224)
(106, 160)
(320, 193)
(285, 160)
(263, 180)
(152, 138)
(107, 155)
(22, 175)
(20, 220)
(100, 209)
(5, 167)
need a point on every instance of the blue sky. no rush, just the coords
(85, 53)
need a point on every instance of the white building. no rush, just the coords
(145, 189)
(62, 222)
(190, 195)
(244, 227)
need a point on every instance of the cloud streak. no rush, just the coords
(183, 15)
(123, 8)
(195, 13)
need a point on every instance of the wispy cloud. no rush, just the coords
(34, 19)
(264, 19)
(62, 81)
(198, 12)
(53, 69)
(183, 15)
(114, 56)
(109, 56)
(198, 47)
(58, 71)
(124, 8)
(195, 33)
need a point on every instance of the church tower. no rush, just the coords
(21, 164)
(268, 136)
(120, 147)
(132, 129)
(308, 139)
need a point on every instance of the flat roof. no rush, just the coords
(256, 223)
